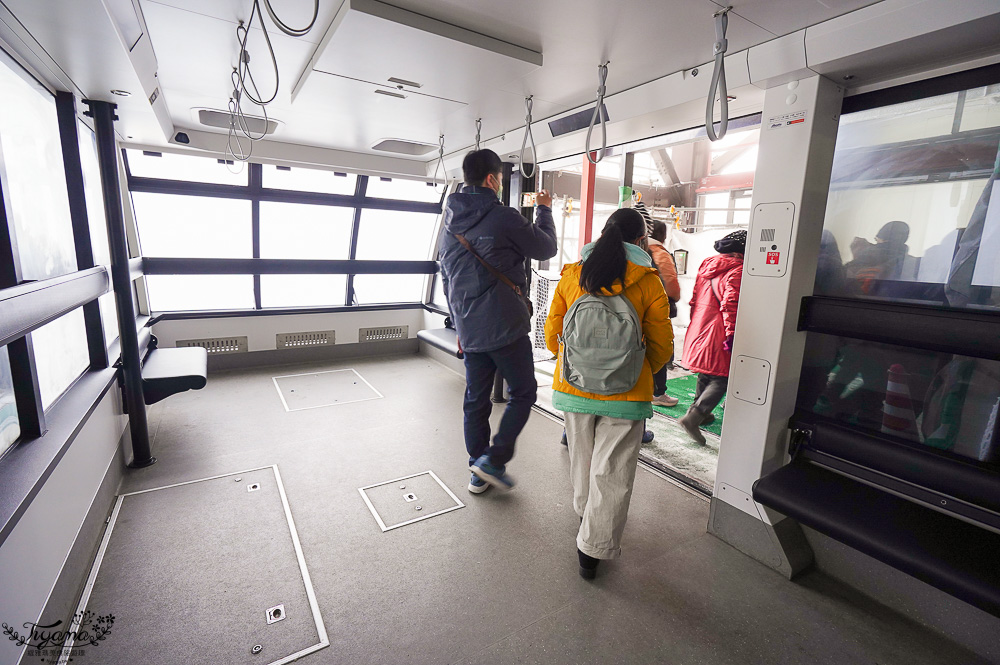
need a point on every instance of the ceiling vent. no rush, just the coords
(220, 120)
(404, 147)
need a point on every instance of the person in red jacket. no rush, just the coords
(708, 342)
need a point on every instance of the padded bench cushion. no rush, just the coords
(445, 339)
(957, 557)
(170, 371)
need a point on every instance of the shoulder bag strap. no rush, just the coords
(496, 273)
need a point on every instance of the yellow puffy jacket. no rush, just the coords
(645, 290)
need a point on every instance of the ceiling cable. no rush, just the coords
(718, 86)
(602, 77)
(528, 135)
(285, 28)
(479, 130)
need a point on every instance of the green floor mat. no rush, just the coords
(683, 388)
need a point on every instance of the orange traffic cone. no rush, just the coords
(897, 411)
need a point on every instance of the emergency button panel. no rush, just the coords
(768, 239)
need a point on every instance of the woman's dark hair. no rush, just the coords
(608, 261)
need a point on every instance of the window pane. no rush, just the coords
(915, 220)
(302, 290)
(172, 293)
(95, 196)
(185, 167)
(938, 400)
(309, 180)
(10, 428)
(299, 231)
(193, 226)
(110, 316)
(404, 190)
(391, 235)
(61, 354)
(378, 289)
(35, 183)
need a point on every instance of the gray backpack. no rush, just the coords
(602, 343)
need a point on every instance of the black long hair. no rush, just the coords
(608, 260)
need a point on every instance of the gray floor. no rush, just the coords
(497, 580)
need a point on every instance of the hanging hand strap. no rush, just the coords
(602, 89)
(496, 273)
(718, 85)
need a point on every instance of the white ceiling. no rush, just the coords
(196, 47)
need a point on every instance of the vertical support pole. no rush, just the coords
(256, 184)
(360, 191)
(627, 167)
(793, 172)
(27, 395)
(104, 117)
(66, 110)
(588, 186)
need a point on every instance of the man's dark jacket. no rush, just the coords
(488, 315)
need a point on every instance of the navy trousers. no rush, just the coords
(516, 365)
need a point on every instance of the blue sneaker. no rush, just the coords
(477, 485)
(494, 475)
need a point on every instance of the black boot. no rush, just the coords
(690, 422)
(588, 565)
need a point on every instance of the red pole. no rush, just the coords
(587, 187)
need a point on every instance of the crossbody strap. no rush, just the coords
(496, 273)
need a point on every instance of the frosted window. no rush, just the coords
(391, 235)
(61, 354)
(379, 289)
(404, 190)
(110, 316)
(172, 293)
(299, 231)
(192, 168)
(35, 183)
(193, 226)
(309, 180)
(10, 427)
(302, 290)
(94, 195)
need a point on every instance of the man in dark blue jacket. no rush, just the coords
(491, 318)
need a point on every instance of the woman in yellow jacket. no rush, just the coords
(604, 432)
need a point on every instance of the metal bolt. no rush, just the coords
(402, 487)
(238, 479)
(256, 649)
(419, 508)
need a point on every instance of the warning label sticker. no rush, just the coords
(772, 258)
(786, 120)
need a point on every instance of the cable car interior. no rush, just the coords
(231, 386)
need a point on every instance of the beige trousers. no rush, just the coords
(603, 455)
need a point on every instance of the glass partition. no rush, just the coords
(172, 293)
(380, 289)
(913, 213)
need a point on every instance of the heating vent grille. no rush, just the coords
(383, 334)
(217, 345)
(301, 339)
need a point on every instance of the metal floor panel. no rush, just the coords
(190, 571)
(314, 390)
(410, 499)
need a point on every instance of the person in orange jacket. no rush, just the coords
(604, 432)
(663, 261)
